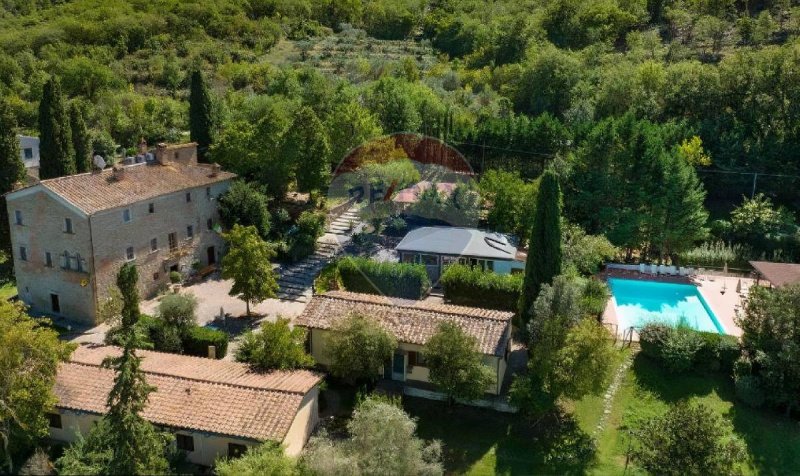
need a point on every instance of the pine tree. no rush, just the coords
(12, 169)
(57, 157)
(201, 121)
(544, 250)
(137, 447)
(80, 138)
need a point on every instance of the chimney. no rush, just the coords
(215, 169)
(142, 146)
(119, 172)
(161, 154)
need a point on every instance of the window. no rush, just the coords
(28, 153)
(129, 253)
(23, 253)
(416, 358)
(210, 224)
(184, 442)
(151, 208)
(235, 450)
(64, 260)
(155, 276)
(408, 258)
(48, 259)
(18, 217)
(68, 225)
(154, 244)
(429, 260)
(173, 241)
(54, 420)
(188, 197)
(126, 215)
(190, 232)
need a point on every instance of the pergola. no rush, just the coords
(777, 274)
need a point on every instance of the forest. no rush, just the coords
(674, 125)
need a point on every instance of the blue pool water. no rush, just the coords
(640, 302)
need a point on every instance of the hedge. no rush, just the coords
(680, 349)
(403, 280)
(198, 339)
(470, 286)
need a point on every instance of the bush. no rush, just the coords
(198, 339)
(404, 280)
(302, 239)
(396, 226)
(178, 310)
(175, 277)
(679, 349)
(719, 352)
(471, 286)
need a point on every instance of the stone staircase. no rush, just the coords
(345, 223)
(296, 280)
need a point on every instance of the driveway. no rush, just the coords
(212, 296)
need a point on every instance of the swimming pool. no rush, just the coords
(640, 302)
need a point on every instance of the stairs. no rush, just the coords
(296, 280)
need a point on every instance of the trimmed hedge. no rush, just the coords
(680, 349)
(470, 286)
(403, 280)
(197, 340)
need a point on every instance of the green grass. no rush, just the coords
(7, 290)
(478, 442)
(772, 440)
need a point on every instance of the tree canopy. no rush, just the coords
(358, 347)
(56, 153)
(248, 264)
(275, 346)
(456, 366)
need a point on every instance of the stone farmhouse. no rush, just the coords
(412, 323)
(215, 408)
(70, 235)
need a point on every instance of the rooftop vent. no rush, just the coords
(119, 172)
(215, 169)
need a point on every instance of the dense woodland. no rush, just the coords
(657, 114)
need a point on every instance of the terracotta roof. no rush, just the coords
(778, 274)
(192, 393)
(96, 191)
(412, 322)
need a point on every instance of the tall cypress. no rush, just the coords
(201, 122)
(12, 169)
(80, 138)
(544, 250)
(57, 157)
(135, 445)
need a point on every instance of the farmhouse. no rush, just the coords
(412, 323)
(215, 408)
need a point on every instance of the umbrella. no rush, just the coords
(739, 287)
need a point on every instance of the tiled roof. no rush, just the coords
(778, 274)
(97, 191)
(193, 393)
(412, 322)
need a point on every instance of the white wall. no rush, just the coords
(32, 143)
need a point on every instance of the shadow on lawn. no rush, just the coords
(672, 388)
(556, 445)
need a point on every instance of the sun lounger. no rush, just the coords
(672, 271)
(681, 271)
(641, 268)
(653, 269)
(662, 269)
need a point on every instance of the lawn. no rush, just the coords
(7, 290)
(479, 442)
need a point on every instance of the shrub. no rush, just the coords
(718, 353)
(166, 337)
(594, 297)
(178, 310)
(198, 339)
(277, 346)
(396, 226)
(680, 348)
(175, 277)
(302, 239)
(404, 280)
(471, 286)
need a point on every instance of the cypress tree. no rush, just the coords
(135, 445)
(201, 122)
(80, 138)
(12, 169)
(57, 157)
(544, 250)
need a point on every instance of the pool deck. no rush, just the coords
(709, 286)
